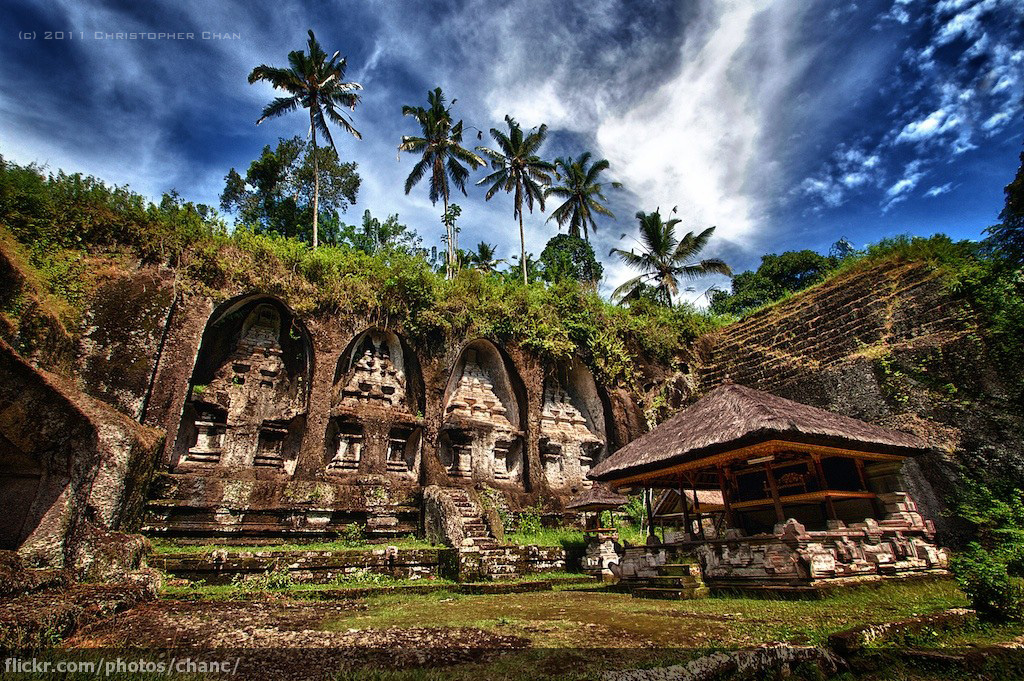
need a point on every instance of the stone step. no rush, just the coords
(671, 594)
(669, 581)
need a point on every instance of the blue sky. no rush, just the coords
(785, 123)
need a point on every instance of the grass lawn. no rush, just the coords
(580, 617)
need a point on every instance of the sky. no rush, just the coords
(786, 124)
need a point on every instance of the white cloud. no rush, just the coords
(939, 190)
(898, 192)
(697, 141)
(936, 123)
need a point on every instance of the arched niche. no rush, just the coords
(376, 408)
(378, 370)
(482, 434)
(249, 392)
(573, 434)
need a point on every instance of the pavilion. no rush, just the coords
(807, 495)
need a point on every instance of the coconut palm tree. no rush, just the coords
(316, 83)
(663, 259)
(582, 194)
(483, 258)
(518, 169)
(443, 155)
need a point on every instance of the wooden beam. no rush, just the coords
(808, 498)
(751, 452)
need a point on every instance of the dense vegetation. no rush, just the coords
(71, 226)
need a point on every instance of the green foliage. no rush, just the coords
(65, 220)
(354, 534)
(276, 194)
(570, 257)
(989, 570)
(777, 276)
(1007, 237)
(663, 260)
(986, 581)
(529, 521)
(277, 578)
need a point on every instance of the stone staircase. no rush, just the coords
(480, 551)
(475, 532)
(674, 581)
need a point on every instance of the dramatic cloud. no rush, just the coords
(779, 122)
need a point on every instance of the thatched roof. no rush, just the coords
(734, 416)
(668, 502)
(597, 498)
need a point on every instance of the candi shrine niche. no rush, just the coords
(572, 427)
(248, 396)
(375, 414)
(481, 438)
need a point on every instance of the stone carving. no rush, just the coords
(349, 448)
(896, 545)
(243, 414)
(567, 445)
(376, 430)
(374, 379)
(482, 440)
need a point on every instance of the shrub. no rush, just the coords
(987, 583)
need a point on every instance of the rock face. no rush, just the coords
(281, 422)
(70, 467)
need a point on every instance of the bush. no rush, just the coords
(985, 580)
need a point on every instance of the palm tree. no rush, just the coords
(582, 193)
(517, 168)
(664, 259)
(316, 83)
(483, 257)
(443, 154)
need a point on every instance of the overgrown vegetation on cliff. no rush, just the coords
(71, 227)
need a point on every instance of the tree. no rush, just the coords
(777, 276)
(664, 259)
(316, 83)
(276, 193)
(582, 194)
(1008, 235)
(569, 257)
(483, 258)
(374, 236)
(443, 155)
(517, 168)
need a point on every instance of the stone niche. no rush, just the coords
(482, 437)
(572, 427)
(376, 409)
(249, 392)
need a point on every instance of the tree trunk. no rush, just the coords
(316, 185)
(449, 271)
(522, 249)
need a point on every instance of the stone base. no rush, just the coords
(194, 505)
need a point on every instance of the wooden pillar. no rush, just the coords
(723, 483)
(686, 510)
(774, 488)
(830, 508)
(696, 507)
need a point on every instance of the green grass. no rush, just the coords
(569, 537)
(163, 546)
(604, 619)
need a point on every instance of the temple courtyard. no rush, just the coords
(570, 630)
